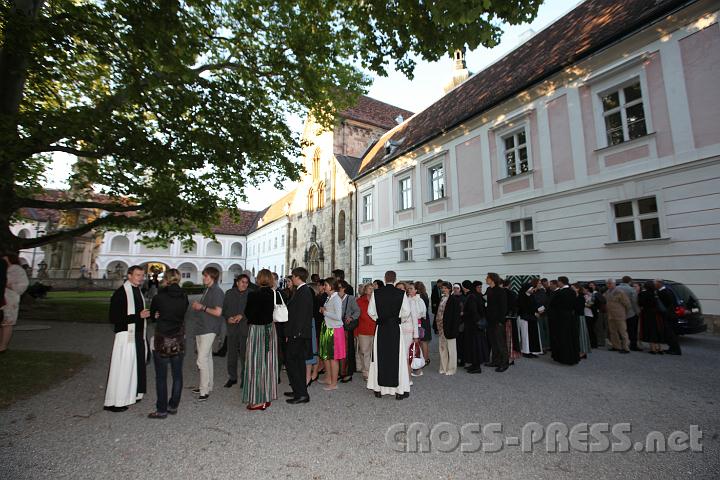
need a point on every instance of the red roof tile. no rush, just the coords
(374, 112)
(591, 26)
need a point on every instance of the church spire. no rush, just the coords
(460, 72)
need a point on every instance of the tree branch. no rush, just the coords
(216, 66)
(70, 150)
(76, 232)
(72, 204)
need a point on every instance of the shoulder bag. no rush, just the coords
(280, 311)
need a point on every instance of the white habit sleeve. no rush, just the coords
(372, 310)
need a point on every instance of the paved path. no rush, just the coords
(64, 433)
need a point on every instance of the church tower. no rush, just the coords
(460, 72)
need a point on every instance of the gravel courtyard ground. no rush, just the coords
(64, 433)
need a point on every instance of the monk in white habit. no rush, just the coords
(389, 373)
(127, 380)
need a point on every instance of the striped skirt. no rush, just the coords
(260, 375)
(584, 335)
(332, 343)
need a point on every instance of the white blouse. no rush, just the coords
(418, 311)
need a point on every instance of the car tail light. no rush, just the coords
(680, 311)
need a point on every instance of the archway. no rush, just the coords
(24, 233)
(235, 270)
(213, 249)
(116, 269)
(120, 243)
(188, 273)
(236, 249)
(314, 264)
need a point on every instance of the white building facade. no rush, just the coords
(608, 166)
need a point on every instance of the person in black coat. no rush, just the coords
(474, 321)
(298, 332)
(667, 299)
(564, 327)
(168, 308)
(496, 311)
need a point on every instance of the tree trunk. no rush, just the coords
(14, 59)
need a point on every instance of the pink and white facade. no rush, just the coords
(609, 167)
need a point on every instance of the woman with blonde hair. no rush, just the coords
(260, 377)
(168, 309)
(332, 334)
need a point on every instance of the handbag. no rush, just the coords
(170, 345)
(353, 323)
(280, 312)
(417, 360)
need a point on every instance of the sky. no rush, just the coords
(396, 89)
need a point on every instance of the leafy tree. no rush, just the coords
(180, 105)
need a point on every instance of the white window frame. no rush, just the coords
(523, 233)
(431, 181)
(636, 219)
(622, 109)
(367, 255)
(514, 132)
(406, 250)
(438, 240)
(405, 195)
(367, 207)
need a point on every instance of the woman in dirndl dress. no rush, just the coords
(332, 335)
(260, 376)
(580, 306)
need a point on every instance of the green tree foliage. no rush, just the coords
(181, 105)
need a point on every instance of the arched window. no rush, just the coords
(313, 234)
(294, 238)
(24, 233)
(213, 249)
(120, 244)
(316, 165)
(341, 226)
(321, 196)
(236, 249)
(311, 200)
(192, 249)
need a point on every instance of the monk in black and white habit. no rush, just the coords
(388, 374)
(127, 381)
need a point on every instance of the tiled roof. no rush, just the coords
(351, 165)
(274, 211)
(590, 27)
(374, 112)
(229, 226)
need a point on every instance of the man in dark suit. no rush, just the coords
(667, 298)
(298, 331)
(496, 312)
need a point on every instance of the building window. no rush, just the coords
(321, 196)
(316, 166)
(637, 219)
(294, 238)
(341, 226)
(275, 242)
(367, 255)
(516, 153)
(521, 235)
(405, 185)
(436, 173)
(439, 245)
(624, 114)
(310, 200)
(367, 207)
(282, 240)
(406, 249)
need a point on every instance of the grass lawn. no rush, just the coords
(82, 307)
(24, 373)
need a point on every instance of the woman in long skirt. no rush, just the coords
(652, 326)
(585, 347)
(332, 335)
(260, 376)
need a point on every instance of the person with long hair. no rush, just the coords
(365, 331)
(580, 311)
(350, 315)
(332, 335)
(651, 319)
(16, 282)
(260, 377)
(168, 308)
(426, 325)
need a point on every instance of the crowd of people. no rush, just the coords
(320, 331)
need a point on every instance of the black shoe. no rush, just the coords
(115, 409)
(406, 395)
(346, 379)
(196, 390)
(502, 368)
(636, 349)
(172, 411)
(399, 396)
(529, 355)
(230, 383)
(158, 415)
(491, 364)
(289, 394)
(378, 395)
(295, 401)
(652, 352)
(202, 398)
(474, 370)
(624, 351)
(673, 352)
(613, 349)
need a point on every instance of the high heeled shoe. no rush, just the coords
(346, 379)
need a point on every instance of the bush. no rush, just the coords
(187, 284)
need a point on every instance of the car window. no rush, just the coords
(684, 294)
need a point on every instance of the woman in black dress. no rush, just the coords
(651, 319)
